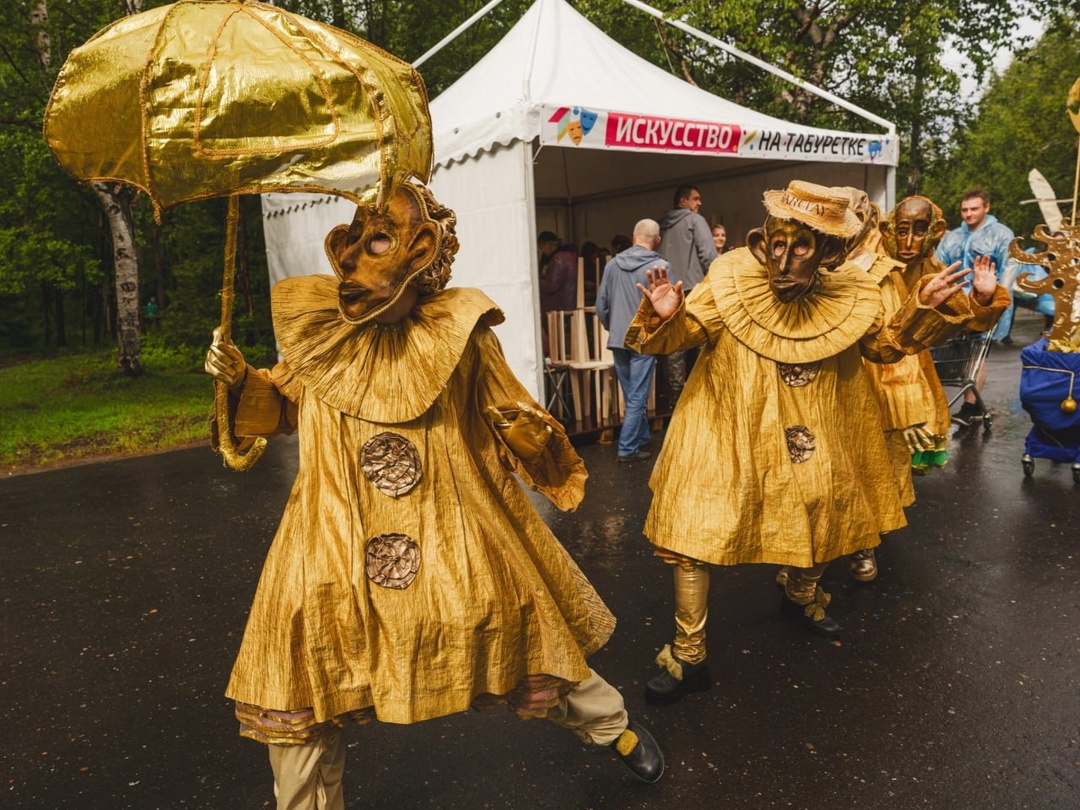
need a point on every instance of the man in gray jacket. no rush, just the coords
(616, 304)
(688, 246)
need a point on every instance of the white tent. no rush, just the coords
(561, 128)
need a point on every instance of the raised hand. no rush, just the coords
(942, 286)
(665, 296)
(224, 361)
(984, 280)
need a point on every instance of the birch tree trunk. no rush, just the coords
(39, 16)
(116, 199)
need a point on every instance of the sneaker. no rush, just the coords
(640, 455)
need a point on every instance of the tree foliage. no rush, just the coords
(1021, 125)
(902, 61)
(57, 259)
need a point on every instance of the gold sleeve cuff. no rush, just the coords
(263, 410)
(908, 398)
(558, 474)
(986, 317)
(648, 334)
(919, 327)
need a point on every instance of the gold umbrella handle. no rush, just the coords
(229, 453)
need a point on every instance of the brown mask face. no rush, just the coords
(379, 254)
(912, 230)
(792, 253)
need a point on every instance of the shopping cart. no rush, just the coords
(958, 362)
(1047, 392)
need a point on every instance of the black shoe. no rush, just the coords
(825, 626)
(666, 688)
(969, 412)
(640, 455)
(639, 752)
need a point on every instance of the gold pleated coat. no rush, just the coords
(909, 390)
(495, 596)
(727, 488)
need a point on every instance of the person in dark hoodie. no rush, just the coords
(616, 304)
(687, 245)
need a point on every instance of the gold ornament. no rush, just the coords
(392, 560)
(797, 375)
(1062, 261)
(392, 463)
(1068, 405)
(801, 443)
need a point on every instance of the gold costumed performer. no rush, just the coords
(792, 476)
(914, 407)
(410, 577)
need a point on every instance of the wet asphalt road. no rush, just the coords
(125, 588)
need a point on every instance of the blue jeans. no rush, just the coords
(635, 373)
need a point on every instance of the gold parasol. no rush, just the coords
(210, 98)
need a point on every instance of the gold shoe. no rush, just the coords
(863, 566)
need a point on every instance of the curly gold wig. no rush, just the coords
(436, 274)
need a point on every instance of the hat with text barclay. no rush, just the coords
(824, 209)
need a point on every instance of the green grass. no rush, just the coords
(76, 407)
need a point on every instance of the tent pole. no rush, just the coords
(528, 160)
(783, 74)
(442, 43)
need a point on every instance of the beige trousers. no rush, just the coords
(593, 710)
(308, 777)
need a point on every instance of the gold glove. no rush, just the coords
(918, 438)
(225, 362)
(523, 429)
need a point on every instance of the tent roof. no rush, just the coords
(554, 59)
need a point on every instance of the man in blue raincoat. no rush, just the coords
(981, 234)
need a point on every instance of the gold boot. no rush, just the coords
(863, 566)
(691, 611)
(684, 666)
(804, 602)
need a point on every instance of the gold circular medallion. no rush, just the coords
(391, 463)
(392, 560)
(798, 374)
(800, 443)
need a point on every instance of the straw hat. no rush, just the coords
(824, 209)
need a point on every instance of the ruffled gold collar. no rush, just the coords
(842, 308)
(387, 374)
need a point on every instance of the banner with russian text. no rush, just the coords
(587, 128)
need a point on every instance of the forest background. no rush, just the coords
(77, 260)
